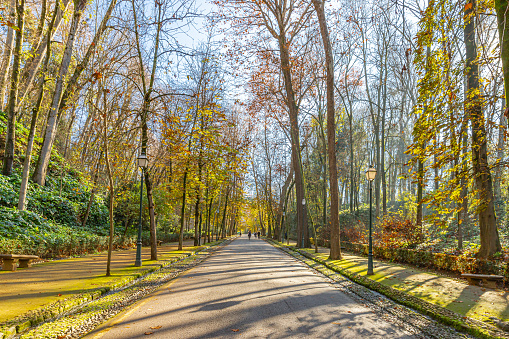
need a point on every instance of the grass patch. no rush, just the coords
(471, 301)
(49, 289)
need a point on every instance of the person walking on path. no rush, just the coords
(249, 235)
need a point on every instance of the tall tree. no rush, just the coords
(502, 10)
(490, 243)
(12, 108)
(335, 249)
(41, 169)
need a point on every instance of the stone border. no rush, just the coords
(461, 323)
(24, 322)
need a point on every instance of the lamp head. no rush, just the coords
(371, 173)
(142, 160)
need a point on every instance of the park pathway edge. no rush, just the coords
(59, 320)
(363, 287)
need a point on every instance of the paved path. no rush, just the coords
(249, 289)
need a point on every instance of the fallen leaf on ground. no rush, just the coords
(235, 330)
(155, 327)
(336, 323)
(148, 333)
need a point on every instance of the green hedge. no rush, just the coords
(25, 232)
(439, 261)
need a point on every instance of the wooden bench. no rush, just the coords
(159, 242)
(484, 280)
(9, 261)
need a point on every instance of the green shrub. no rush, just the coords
(27, 233)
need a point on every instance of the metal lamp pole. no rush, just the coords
(370, 175)
(370, 252)
(142, 162)
(303, 206)
(283, 229)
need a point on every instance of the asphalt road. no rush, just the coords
(249, 289)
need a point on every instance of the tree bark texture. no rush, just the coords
(223, 222)
(302, 227)
(33, 124)
(152, 215)
(490, 243)
(51, 126)
(33, 63)
(183, 210)
(92, 192)
(335, 247)
(7, 56)
(12, 108)
(502, 9)
(110, 184)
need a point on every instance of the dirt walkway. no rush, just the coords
(451, 293)
(44, 283)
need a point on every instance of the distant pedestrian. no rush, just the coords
(259, 234)
(249, 235)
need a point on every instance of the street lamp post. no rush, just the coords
(303, 206)
(142, 163)
(370, 175)
(283, 228)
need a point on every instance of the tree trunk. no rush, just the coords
(6, 59)
(32, 64)
(72, 84)
(183, 210)
(197, 234)
(335, 249)
(145, 108)
(208, 218)
(490, 243)
(420, 169)
(92, 193)
(223, 225)
(12, 108)
(152, 214)
(33, 124)
(500, 154)
(111, 187)
(49, 135)
(283, 197)
(502, 8)
(302, 233)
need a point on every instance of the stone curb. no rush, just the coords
(441, 314)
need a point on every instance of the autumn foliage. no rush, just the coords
(395, 232)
